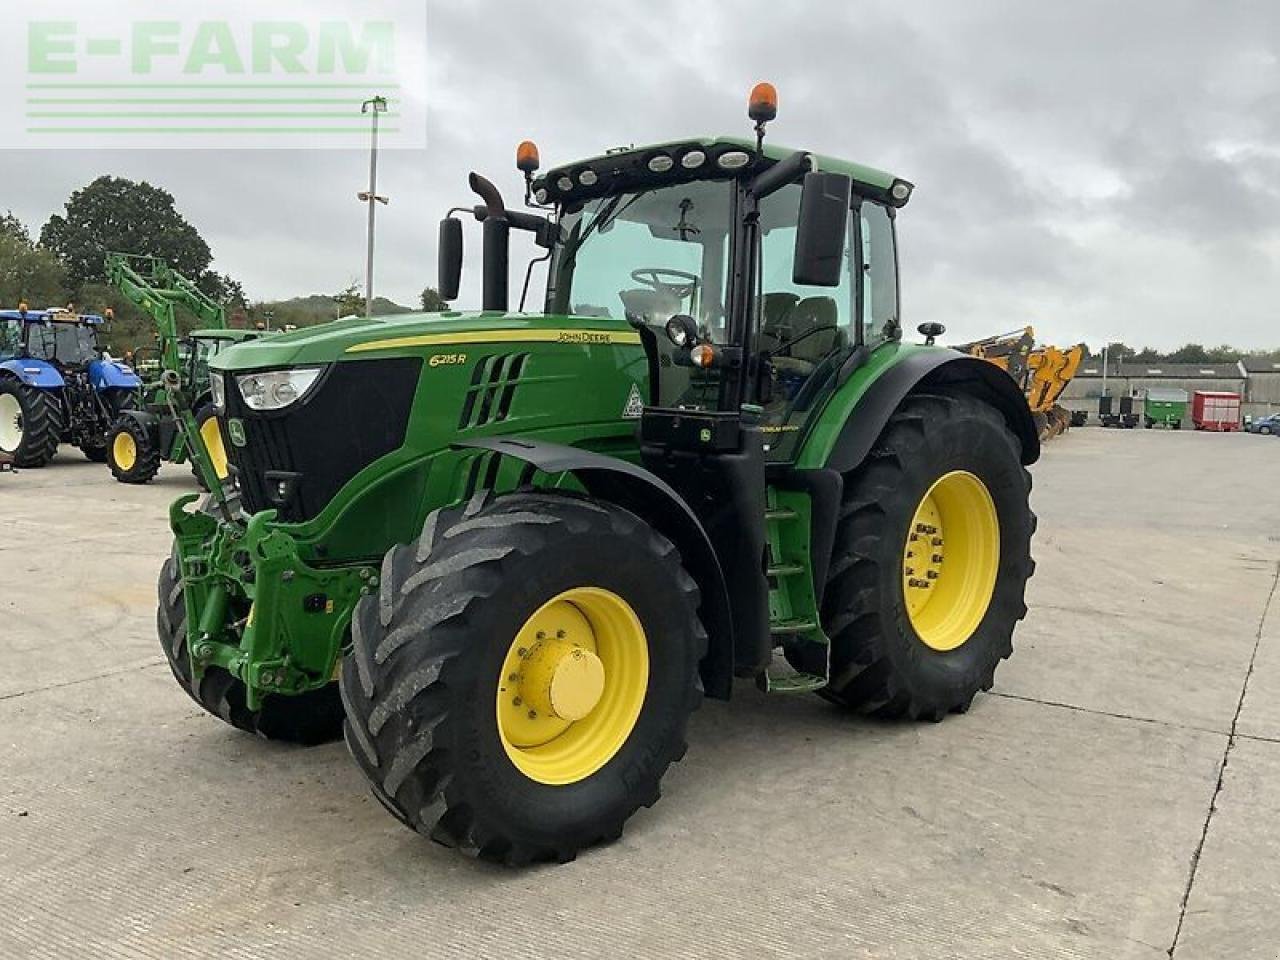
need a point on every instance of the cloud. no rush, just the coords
(1101, 170)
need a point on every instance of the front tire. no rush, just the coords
(944, 482)
(132, 454)
(30, 423)
(475, 614)
(309, 718)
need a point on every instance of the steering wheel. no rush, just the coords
(660, 279)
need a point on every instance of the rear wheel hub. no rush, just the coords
(11, 429)
(950, 561)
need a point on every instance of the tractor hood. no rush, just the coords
(416, 333)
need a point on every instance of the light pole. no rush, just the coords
(373, 107)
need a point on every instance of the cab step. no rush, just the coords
(780, 678)
(784, 570)
(789, 628)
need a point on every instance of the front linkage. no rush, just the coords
(266, 617)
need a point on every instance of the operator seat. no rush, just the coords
(818, 314)
(775, 311)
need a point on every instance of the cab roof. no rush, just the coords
(631, 165)
(54, 314)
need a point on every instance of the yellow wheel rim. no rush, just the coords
(950, 560)
(572, 685)
(124, 450)
(212, 438)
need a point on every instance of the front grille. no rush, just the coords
(358, 412)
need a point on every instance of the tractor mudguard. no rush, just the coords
(148, 421)
(108, 374)
(652, 499)
(33, 372)
(918, 372)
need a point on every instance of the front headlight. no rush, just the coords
(217, 391)
(276, 389)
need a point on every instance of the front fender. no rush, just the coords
(653, 500)
(922, 370)
(149, 422)
(33, 372)
(106, 374)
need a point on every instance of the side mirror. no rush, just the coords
(822, 229)
(449, 262)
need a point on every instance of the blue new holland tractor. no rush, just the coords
(57, 386)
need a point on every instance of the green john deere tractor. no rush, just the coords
(144, 436)
(509, 552)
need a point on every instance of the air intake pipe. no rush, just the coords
(496, 244)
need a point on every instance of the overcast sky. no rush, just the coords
(1099, 169)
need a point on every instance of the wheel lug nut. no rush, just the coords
(931, 574)
(559, 634)
(517, 702)
(533, 714)
(937, 541)
(937, 558)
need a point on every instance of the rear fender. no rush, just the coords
(650, 498)
(33, 372)
(920, 372)
(148, 421)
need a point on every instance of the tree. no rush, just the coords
(350, 302)
(222, 288)
(113, 213)
(27, 273)
(432, 302)
(1188, 353)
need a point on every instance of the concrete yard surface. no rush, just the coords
(1117, 795)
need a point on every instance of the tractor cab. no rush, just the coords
(59, 337)
(710, 267)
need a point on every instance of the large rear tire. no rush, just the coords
(525, 677)
(932, 557)
(132, 454)
(30, 423)
(309, 718)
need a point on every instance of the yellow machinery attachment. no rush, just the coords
(1042, 372)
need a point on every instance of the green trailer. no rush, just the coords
(526, 544)
(1165, 407)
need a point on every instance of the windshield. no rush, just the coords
(10, 338)
(646, 256)
(206, 348)
(68, 343)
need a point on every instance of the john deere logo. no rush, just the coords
(235, 429)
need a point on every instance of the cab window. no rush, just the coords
(805, 332)
(879, 273)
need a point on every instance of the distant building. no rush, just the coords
(1257, 381)
(1264, 382)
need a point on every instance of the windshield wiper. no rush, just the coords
(608, 213)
